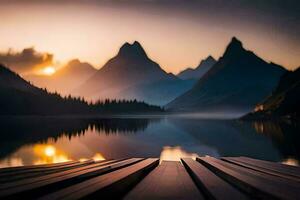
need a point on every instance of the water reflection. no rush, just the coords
(290, 161)
(175, 153)
(83, 159)
(98, 157)
(47, 154)
(284, 135)
(18, 131)
(267, 140)
(8, 162)
(33, 140)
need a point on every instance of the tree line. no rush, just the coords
(17, 102)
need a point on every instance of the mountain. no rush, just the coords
(19, 97)
(236, 83)
(284, 101)
(199, 71)
(131, 74)
(67, 78)
(12, 81)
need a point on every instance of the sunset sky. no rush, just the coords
(175, 33)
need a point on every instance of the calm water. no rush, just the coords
(26, 141)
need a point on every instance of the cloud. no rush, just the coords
(26, 61)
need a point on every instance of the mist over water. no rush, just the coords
(26, 141)
(225, 115)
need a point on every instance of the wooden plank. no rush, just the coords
(52, 182)
(38, 169)
(169, 180)
(259, 184)
(14, 169)
(213, 186)
(278, 167)
(108, 186)
(49, 176)
(22, 174)
(269, 170)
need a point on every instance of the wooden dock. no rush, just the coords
(144, 178)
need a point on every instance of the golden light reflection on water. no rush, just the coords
(259, 127)
(50, 151)
(98, 157)
(291, 161)
(83, 159)
(56, 151)
(47, 154)
(13, 162)
(50, 154)
(175, 153)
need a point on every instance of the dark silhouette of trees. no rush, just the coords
(123, 106)
(17, 102)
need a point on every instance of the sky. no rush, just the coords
(175, 33)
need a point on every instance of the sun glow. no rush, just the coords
(49, 70)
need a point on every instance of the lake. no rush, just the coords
(39, 140)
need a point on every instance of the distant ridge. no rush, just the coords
(70, 76)
(236, 83)
(199, 71)
(131, 74)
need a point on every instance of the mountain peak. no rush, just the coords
(199, 71)
(207, 61)
(235, 43)
(234, 47)
(77, 64)
(134, 49)
(74, 62)
(210, 58)
(136, 43)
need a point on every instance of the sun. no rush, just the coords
(49, 70)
